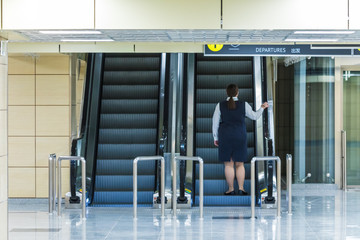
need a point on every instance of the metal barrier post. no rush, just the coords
(343, 158)
(52, 186)
(83, 183)
(201, 184)
(278, 179)
(162, 183)
(289, 182)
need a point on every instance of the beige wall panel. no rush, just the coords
(31, 47)
(3, 179)
(21, 89)
(21, 65)
(53, 65)
(3, 86)
(21, 120)
(21, 182)
(47, 145)
(3, 132)
(3, 220)
(157, 14)
(285, 14)
(52, 121)
(169, 47)
(101, 47)
(42, 182)
(45, 14)
(52, 90)
(21, 152)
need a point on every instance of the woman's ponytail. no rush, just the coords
(231, 103)
(232, 90)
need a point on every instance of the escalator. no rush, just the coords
(212, 75)
(125, 125)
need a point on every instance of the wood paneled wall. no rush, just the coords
(39, 121)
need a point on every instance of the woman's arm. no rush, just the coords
(216, 123)
(254, 115)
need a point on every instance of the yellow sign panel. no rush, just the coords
(215, 47)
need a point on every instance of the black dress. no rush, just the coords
(232, 133)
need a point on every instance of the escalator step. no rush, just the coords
(137, 121)
(131, 64)
(123, 167)
(218, 187)
(127, 136)
(119, 151)
(130, 92)
(131, 77)
(221, 81)
(123, 183)
(224, 200)
(137, 106)
(224, 67)
(123, 197)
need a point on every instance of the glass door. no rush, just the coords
(351, 124)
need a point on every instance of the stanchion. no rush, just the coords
(278, 179)
(162, 183)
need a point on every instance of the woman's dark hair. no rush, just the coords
(232, 90)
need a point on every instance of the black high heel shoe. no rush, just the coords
(229, 193)
(241, 192)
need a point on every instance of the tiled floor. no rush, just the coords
(317, 214)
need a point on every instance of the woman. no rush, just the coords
(229, 131)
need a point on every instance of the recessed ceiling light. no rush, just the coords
(311, 40)
(70, 32)
(87, 40)
(324, 32)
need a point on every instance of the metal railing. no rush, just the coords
(201, 184)
(289, 182)
(343, 159)
(83, 185)
(52, 182)
(278, 179)
(162, 184)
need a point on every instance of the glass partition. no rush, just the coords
(351, 116)
(314, 120)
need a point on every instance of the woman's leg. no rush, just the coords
(240, 174)
(229, 175)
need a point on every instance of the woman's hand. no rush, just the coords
(265, 105)
(216, 143)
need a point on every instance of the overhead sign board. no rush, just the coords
(274, 50)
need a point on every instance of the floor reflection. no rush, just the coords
(315, 216)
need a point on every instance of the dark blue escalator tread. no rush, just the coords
(122, 197)
(123, 167)
(120, 205)
(223, 200)
(123, 182)
(218, 186)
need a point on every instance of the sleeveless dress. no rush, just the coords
(232, 133)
